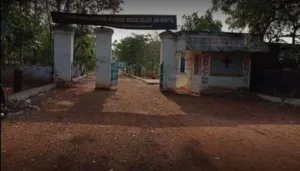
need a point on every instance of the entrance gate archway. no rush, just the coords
(64, 39)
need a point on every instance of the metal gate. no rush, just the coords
(114, 73)
(161, 76)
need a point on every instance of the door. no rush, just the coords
(114, 73)
(161, 76)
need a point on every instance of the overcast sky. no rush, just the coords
(171, 7)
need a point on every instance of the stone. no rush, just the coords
(217, 158)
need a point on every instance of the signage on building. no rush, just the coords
(223, 42)
(205, 67)
(144, 22)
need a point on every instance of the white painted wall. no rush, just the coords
(187, 80)
(103, 57)
(233, 82)
(63, 54)
(168, 56)
(196, 78)
(193, 82)
(226, 82)
(180, 43)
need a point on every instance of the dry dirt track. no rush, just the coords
(135, 127)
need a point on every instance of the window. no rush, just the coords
(197, 65)
(182, 64)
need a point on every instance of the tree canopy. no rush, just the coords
(26, 29)
(205, 23)
(138, 51)
(269, 19)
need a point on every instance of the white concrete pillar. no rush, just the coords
(103, 57)
(168, 59)
(63, 53)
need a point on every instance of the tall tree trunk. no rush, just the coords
(294, 34)
(21, 58)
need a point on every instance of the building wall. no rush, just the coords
(186, 80)
(177, 80)
(180, 43)
(38, 71)
(230, 76)
(193, 81)
(217, 77)
(226, 67)
(183, 79)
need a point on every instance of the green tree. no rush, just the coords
(84, 52)
(84, 40)
(268, 19)
(131, 50)
(205, 23)
(152, 55)
(19, 27)
(139, 52)
(26, 27)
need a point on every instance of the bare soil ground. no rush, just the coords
(135, 127)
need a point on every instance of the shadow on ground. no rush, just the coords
(192, 158)
(92, 148)
(87, 108)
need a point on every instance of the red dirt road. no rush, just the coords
(137, 128)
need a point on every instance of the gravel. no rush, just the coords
(136, 127)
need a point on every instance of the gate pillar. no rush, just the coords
(103, 57)
(167, 61)
(63, 53)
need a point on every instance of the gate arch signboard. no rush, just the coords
(138, 22)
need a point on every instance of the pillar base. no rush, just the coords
(102, 86)
(102, 89)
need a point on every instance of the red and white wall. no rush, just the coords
(196, 83)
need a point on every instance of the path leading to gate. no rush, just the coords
(136, 127)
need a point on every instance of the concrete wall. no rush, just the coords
(226, 42)
(38, 71)
(213, 71)
(187, 80)
(45, 71)
(225, 82)
(233, 82)
(226, 63)
(31, 70)
(180, 43)
(193, 82)
(231, 77)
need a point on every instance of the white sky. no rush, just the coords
(171, 7)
